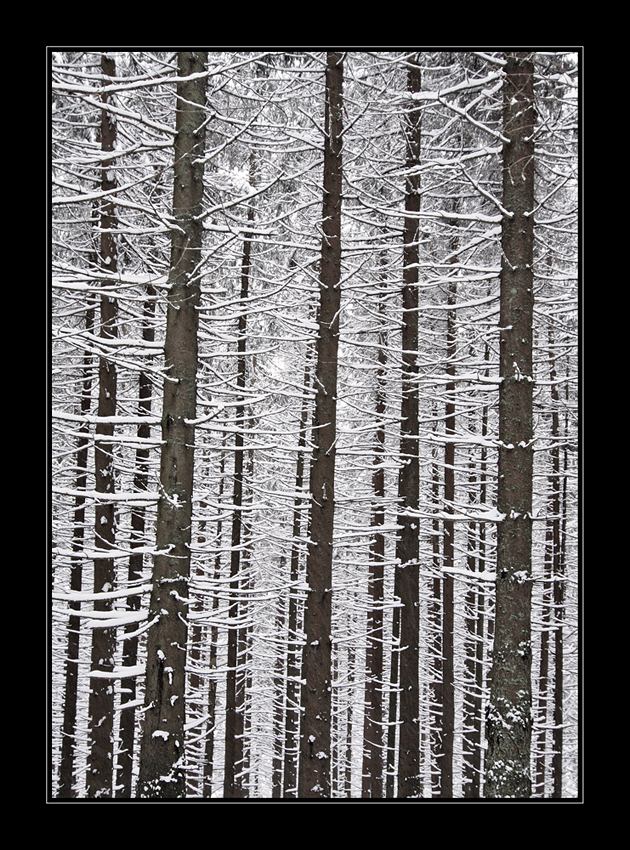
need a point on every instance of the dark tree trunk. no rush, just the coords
(195, 693)
(66, 767)
(140, 483)
(407, 583)
(471, 608)
(336, 767)
(162, 772)
(245, 647)
(435, 623)
(472, 768)
(372, 768)
(559, 511)
(483, 616)
(552, 548)
(543, 672)
(213, 639)
(279, 696)
(347, 778)
(315, 753)
(100, 766)
(199, 638)
(233, 786)
(509, 711)
(448, 608)
(392, 707)
(294, 641)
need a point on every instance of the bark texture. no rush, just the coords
(66, 767)
(234, 728)
(372, 770)
(100, 768)
(448, 603)
(209, 756)
(294, 642)
(406, 583)
(162, 769)
(136, 561)
(509, 718)
(314, 768)
(476, 627)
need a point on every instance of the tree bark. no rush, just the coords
(372, 768)
(245, 647)
(347, 777)
(315, 752)
(213, 641)
(540, 777)
(162, 770)
(392, 706)
(472, 768)
(66, 767)
(100, 767)
(234, 679)
(294, 643)
(140, 483)
(559, 510)
(510, 707)
(279, 697)
(435, 624)
(552, 548)
(407, 584)
(448, 606)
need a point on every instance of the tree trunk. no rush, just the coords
(473, 768)
(471, 608)
(101, 702)
(510, 708)
(392, 707)
(66, 767)
(543, 671)
(435, 624)
(552, 548)
(140, 483)
(294, 647)
(245, 647)
(448, 606)
(315, 753)
(279, 696)
(559, 511)
(372, 769)
(234, 679)
(407, 584)
(162, 772)
(213, 639)
(347, 779)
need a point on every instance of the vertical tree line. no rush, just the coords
(161, 763)
(315, 749)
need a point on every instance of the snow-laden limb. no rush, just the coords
(84, 596)
(119, 673)
(138, 498)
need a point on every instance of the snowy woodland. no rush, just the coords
(314, 427)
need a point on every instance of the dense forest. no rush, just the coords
(314, 427)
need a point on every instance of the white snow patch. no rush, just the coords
(160, 734)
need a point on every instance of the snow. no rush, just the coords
(86, 596)
(118, 672)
